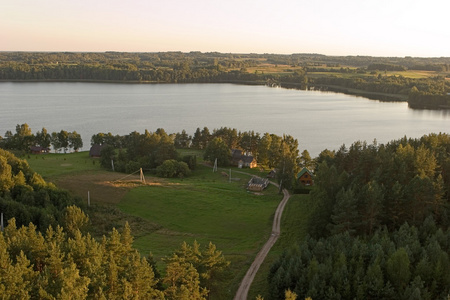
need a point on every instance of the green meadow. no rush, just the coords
(53, 165)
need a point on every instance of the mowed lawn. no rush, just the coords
(234, 220)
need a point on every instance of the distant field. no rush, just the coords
(53, 165)
(268, 68)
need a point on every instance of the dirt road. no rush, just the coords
(246, 282)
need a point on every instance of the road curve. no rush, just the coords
(246, 282)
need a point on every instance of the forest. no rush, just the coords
(380, 78)
(380, 227)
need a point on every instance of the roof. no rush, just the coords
(247, 159)
(95, 150)
(303, 171)
(236, 153)
(38, 149)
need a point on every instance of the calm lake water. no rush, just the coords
(318, 120)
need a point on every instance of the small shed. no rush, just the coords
(95, 150)
(305, 177)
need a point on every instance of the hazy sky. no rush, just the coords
(332, 27)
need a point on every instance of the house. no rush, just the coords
(95, 150)
(305, 177)
(39, 150)
(241, 160)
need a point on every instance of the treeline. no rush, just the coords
(23, 140)
(387, 84)
(25, 196)
(380, 225)
(178, 73)
(65, 263)
(197, 67)
(419, 99)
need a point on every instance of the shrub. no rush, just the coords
(172, 168)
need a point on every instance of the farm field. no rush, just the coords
(206, 207)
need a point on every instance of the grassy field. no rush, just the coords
(54, 165)
(163, 213)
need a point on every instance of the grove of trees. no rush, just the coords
(69, 264)
(27, 197)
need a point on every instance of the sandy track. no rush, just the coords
(246, 282)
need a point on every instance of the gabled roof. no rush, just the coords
(303, 171)
(247, 159)
(236, 153)
(96, 150)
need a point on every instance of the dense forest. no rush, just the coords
(361, 75)
(380, 228)
(65, 263)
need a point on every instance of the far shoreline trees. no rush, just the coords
(360, 75)
(23, 140)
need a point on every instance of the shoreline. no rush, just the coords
(382, 97)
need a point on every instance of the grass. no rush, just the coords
(205, 207)
(54, 165)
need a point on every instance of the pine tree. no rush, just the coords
(398, 269)
(182, 281)
(345, 215)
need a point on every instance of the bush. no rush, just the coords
(172, 168)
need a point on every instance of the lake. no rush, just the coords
(318, 120)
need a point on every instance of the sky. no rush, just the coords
(331, 27)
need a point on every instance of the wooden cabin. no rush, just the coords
(305, 177)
